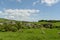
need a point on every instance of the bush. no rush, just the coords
(48, 25)
(2, 28)
(13, 28)
(10, 28)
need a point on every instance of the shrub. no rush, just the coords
(13, 28)
(2, 28)
(48, 25)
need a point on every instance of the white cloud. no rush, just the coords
(46, 2)
(50, 2)
(0, 11)
(36, 2)
(19, 14)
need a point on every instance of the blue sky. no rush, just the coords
(30, 10)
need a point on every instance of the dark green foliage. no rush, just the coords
(48, 25)
(52, 21)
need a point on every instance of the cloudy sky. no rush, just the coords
(30, 10)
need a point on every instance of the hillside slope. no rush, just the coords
(13, 25)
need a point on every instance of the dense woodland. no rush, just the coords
(12, 25)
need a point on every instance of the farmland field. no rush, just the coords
(31, 34)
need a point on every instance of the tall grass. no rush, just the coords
(31, 34)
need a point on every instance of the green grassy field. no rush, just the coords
(31, 34)
(19, 30)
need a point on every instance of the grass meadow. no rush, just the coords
(31, 34)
